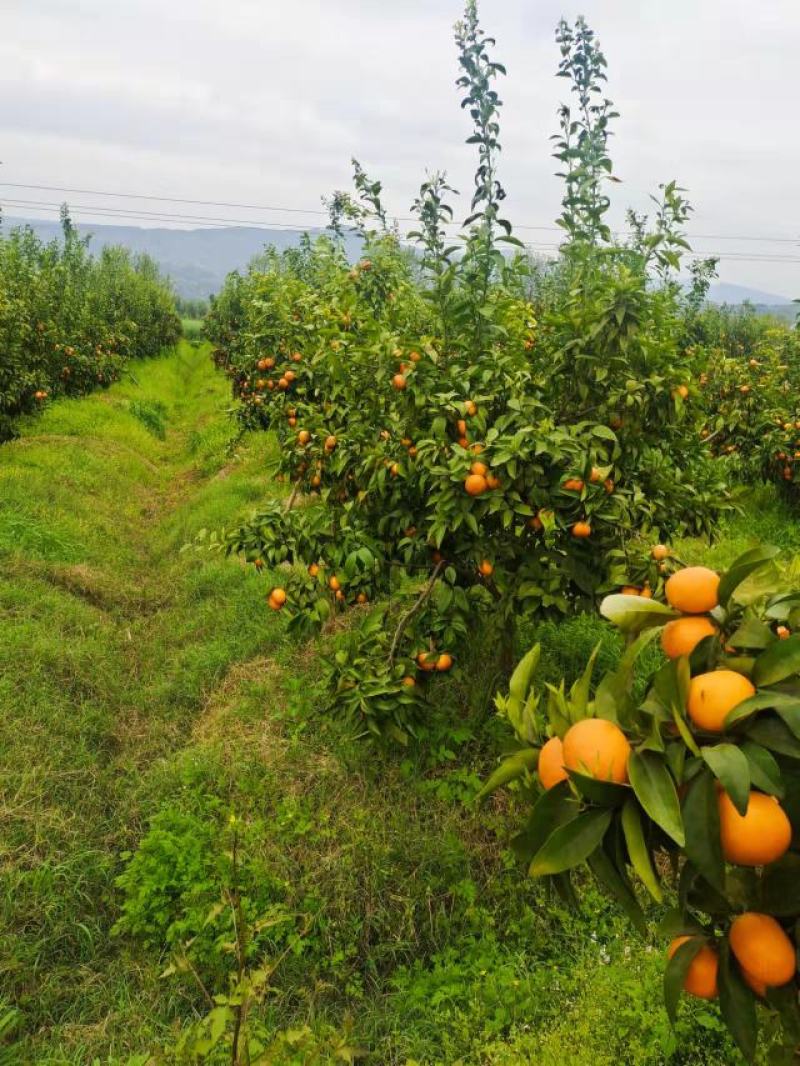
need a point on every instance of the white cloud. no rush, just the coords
(265, 101)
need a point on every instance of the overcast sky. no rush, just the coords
(265, 102)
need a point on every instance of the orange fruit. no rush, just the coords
(276, 599)
(536, 523)
(394, 469)
(713, 695)
(476, 485)
(762, 948)
(595, 475)
(660, 552)
(598, 748)
(630, 590)
(426, 661)
(701, 977)
(608, 485)
(573, 484)
(759, 837)
(444, 663)
(757, 986)
(581, 530)
(463, 442)
(493, 482)
(693, 590)
(330, 443)
(783, 632)
(479, 468)
(313, 569)
(682, 635)
(551, 763)
(283, 383)
(334, 584)
(471, 407)
(303, 437)
(461, 426)
(485, 568)
(399, 382)
(361, 597)
(289, 375)
(409, 681)
(682, 391)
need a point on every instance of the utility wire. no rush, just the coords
(319, 211)
(226, 223)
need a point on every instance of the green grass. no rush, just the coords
(146, 695)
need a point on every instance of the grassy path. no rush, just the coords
(111, 643)
(146, 693)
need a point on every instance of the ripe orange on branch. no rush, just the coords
(712, 696)
(701, 977)
(597, 748)
(760, 836)
(762, 948)
(693, 590)
(682, 635)
(551, 763)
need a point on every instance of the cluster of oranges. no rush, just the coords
(762, 835)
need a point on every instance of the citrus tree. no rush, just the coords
(473, 445)
(745, 366)
(688, 783)
(70, 321)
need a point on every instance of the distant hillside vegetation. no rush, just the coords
(198, 260)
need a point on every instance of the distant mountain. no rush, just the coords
(722, 292)
(197, 260)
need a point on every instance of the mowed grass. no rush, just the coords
(147, 695)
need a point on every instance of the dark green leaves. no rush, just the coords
(779, 661)
(571, 844)
(780, 887)
(730, 767)
(701, 822)
(553, 808)
(509, 770)
(638, 851)
(655, 790)
(737, 1004)
(618, 885)
(742, 568)
(765, 773)
(675, 973)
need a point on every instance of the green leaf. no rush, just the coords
(580, 691)
(779, 661)
(774, 734)
(638, 850)
(675, 973)
(571, 844)
(701, 822)
(655, 790)
(737, 1004)
(730, 767)
(607, 874)
(521, 678)
(765, 774)
(760, 702)
(752, 633)
(632, 614)
(553, 808)
(742, 568)
(603, 793)
(780, 887)
(509, 770)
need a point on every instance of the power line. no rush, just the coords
(319, 211)
(220, 223)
